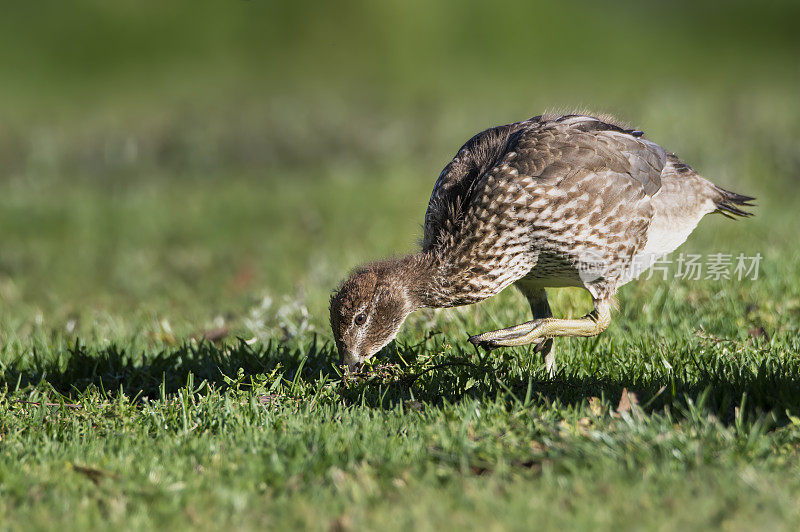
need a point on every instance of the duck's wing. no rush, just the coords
(600, 158)
(576, 188)
(455, 188)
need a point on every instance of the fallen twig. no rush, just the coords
(67, 405)
(707, 336)
(94, 474)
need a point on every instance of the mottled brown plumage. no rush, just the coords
(568, 200)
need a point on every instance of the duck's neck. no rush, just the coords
(429, 282)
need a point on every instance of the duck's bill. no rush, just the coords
(350, 361)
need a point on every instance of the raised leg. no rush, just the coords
(540, 309)
(546, 328)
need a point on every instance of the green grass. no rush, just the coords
(270, 435)
(158, 188)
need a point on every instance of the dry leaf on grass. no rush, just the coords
(627, 401)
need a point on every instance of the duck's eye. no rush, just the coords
(361, 318)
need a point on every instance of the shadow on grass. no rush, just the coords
(720, 386)
(114, 369)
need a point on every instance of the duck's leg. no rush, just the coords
(540, 309)
(533, 331)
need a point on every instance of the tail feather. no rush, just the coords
(727, 202)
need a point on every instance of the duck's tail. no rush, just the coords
(728, 203)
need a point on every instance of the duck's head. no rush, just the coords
(368, 309)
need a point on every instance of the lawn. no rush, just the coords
(168, 249)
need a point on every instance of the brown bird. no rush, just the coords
(553, 201)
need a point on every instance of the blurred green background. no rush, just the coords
(170, 167)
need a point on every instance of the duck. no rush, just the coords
(563, 200)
